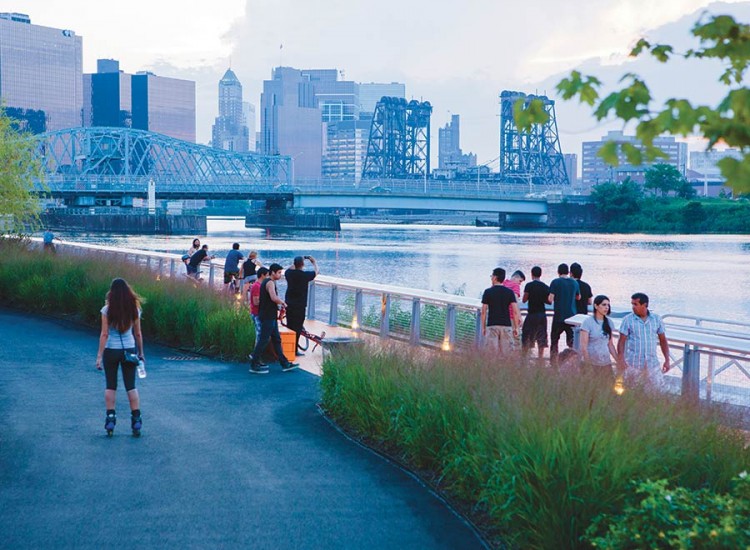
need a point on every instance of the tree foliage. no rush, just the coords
(721, 38)
(19, 168)
(666, 179)
(616, 200)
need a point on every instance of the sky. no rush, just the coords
(457, 55)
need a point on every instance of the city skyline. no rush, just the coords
(460, 71)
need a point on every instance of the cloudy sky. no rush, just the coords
(457, 55)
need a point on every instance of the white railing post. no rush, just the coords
(311, 301)
(710, 377)
(449, 338)
(161, 267)
(333, 316)
(691, 372)
(416, 312)
(357, 319)
(478, 324)
(172, 268)
(211, 275)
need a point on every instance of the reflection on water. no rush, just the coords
(706, 275)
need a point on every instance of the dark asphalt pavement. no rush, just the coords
(226, 460)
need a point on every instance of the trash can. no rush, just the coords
(332, 346)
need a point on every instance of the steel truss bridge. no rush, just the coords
(85, 164)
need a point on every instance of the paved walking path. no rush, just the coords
(226, 460)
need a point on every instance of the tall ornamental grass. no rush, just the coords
(175, 312)
(536, 453)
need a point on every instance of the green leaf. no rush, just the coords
(608, 153)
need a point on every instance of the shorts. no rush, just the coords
(534, 330)
(501, 339)
(229, 275)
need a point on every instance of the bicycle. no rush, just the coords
(304, 336)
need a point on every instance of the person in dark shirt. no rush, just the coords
(582, 303)
(563, 292)
(196, 260)
(536, 294)
(268, 310)
(498, 329)
(232, 267)
(297, 283)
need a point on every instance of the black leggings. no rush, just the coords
(114, 358)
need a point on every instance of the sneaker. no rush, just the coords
(289, 366)
(257, 370)
(260, 363)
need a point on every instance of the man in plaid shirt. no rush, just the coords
(640, 332)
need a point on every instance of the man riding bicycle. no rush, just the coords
(232, 267)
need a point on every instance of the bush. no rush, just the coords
(174, 311)
(657, 516)
(538, 454)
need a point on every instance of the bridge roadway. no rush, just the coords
(226, 460)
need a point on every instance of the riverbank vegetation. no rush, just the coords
(626, 208)
(175, 312)
(545, 459)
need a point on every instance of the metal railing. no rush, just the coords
(710, 357)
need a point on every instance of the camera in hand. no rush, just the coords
(306, 257)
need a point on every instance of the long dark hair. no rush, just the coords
(123, 304)
(605, 324)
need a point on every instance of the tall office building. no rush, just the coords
(595, 170)
(230, 130)
(571, 167)
(346, 149)
(107, 96)
(40, 74)
(706, 162)
(451, 160)
(164, 105)
(248, 112)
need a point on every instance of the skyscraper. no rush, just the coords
(40, 73)
(107, 96)
(450, 157)
(248, 111)
(230, 131)
(164, 105)
(370, 93)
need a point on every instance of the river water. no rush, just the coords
(702, 275)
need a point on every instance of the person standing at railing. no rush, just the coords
(297, 282)
(196, 260)
(48, 240)
(596, 339)
(248, 272)
(499, 331)
(514, 283)
(534, 329)
(584, 289)
(563, 293)
(640, 333)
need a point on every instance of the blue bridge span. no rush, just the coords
(93, 166)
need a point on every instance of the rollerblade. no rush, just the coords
(136, 423)
(109, 422)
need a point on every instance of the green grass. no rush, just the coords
(175, 312)
(537, 454)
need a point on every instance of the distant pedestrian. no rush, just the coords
(48, 241)
(268, 311)
(584, 289)
(249, 271)
(232, 267)
(297, 283)
(536, 293)
(120, 337)
(255, 299)
(596, 341)
(640, 333)
(563, 293)
(498, 330)
(196, 246)
(196, 259)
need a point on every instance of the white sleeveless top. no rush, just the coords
(117, 339)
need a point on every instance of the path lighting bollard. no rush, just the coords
(171, 268)
(357, 318)
(385, 315)
(478, 328)
(211, 275)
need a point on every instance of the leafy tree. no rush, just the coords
(18, 170)
(721, 38)
(617, 200)
(664, 178)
